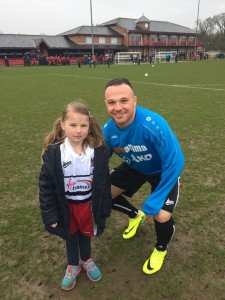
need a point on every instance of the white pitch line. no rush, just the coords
(138, 82)
(181, 86)
(150, 83)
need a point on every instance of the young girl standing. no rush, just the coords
(74, 187)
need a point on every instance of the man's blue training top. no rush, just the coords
(149, 146)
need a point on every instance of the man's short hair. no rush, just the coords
(119, 81)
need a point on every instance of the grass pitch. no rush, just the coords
(191, 96)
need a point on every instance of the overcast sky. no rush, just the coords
(52, 17)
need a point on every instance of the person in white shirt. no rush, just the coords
(74, 187)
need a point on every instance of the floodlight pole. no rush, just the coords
(92, 35)
(196, 35)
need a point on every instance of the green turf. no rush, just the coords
(191, 96)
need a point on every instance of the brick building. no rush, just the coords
(120, 34)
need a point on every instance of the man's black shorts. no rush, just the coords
(131, 181)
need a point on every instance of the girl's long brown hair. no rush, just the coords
(94, 138)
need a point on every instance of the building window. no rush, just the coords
(191, 40)
(114, 40)
(88, 40)
(154, 38)
(163, 39)
(101, 40)
(173, 39)
(183, 40)
(135, 39)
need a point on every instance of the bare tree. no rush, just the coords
(219, 23)
(212, 32)
(207, 26)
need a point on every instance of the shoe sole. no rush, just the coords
(94, 280)
(152, 272)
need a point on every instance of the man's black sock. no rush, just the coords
(164, 233)
(121, 204)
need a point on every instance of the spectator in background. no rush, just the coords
(78, 63)
(91, 61)
(6, 60)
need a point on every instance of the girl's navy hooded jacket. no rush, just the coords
(53, 204)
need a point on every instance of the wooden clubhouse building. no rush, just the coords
(118, 35)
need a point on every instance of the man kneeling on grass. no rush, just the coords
(151, 153)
